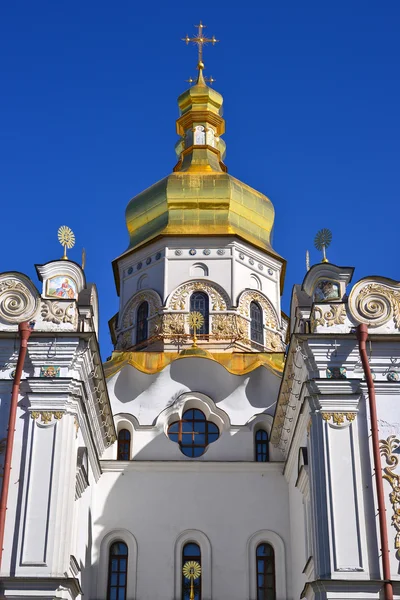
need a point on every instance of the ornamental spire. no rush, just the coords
(200, 40)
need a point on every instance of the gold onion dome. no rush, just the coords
(199, 197)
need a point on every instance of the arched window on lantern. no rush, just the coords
(265, 572)
(124, 445)
(199, 303)
(117, 571)
(191, 554)
(141, 322)
(261, 446)
(256, 323)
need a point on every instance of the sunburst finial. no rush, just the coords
(66, 238)
(196, 322)
(322, 242)
(191, 570)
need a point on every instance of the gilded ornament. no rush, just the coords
(130, 309)
(229, 326)
(53, 312)
(35, 414)
(66, 238)
(389, 449)
(218, 297)
(46, 417)
(250, 296)
(335, 315)
(338, 418)
(58, 415)
(170, 325)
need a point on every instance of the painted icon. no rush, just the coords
(50, 371)
(61, 286)
(326, 290)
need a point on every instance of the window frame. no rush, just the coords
(262, 443)
(142, 327)
(183, 430)
(256, 327)
(184, 559)
(124, 442)
(205, 328)
(118, 572)
(266, 561)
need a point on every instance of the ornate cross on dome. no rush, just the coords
(201, 41)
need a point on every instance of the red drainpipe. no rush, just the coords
(24, 332)
(362, 336)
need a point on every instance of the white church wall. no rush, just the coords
(155, 502)
(235, 265)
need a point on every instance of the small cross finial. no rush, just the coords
(201, 41)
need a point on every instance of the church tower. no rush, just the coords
(219, 453)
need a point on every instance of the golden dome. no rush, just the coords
(201, 203)
(199, 197)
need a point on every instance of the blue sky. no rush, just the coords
(88, 108)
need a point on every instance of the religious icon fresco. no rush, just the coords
(326, 290)
(61, 286)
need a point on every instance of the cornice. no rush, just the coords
(196, 466)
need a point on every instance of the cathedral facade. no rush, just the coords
(225, 450)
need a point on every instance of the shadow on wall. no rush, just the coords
(197, 375)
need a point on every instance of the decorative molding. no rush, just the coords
(47, 415)
(249, 296)
(55, 312)
(376, 303)
(179, 300)
(229, 326)
(129, 311)
(388, 449)
(338, 418)
(170, 326)
(335, 315)
(17, 302)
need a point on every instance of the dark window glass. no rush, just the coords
(193, 433)
(256, 326)
(261, 446)
(265, 572)
(117, 571)
(191, 552)
(199, 303)
(141, 322)
(124, 445)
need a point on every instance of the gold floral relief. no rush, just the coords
(388, 449)
(250, 296)
(130, 309)
(219, 300)
(335, 315)
(231, 326)
(338, 418)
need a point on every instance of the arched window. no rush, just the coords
(124, 445)
(256, 324)
(191, 553)
(193, 433)
(141, 322)
(261, 446)
(117, 571)
(199, 303)
(265, 572)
